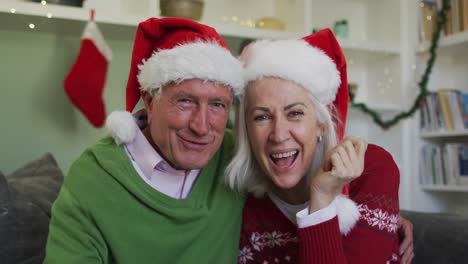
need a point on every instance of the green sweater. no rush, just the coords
(106, 213)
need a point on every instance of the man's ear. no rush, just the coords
(147, 99)
(148, 102)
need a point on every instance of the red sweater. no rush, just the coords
(269, 237)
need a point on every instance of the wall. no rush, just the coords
(36, 114)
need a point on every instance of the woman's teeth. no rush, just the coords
(283, 155)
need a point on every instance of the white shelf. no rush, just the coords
(451, 43)
(444, 134)
(37, 11)
(368, 46)
(445, 188)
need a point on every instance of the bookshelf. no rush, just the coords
(444, 188)
(444, 134)
(449, 72)
(449, 43)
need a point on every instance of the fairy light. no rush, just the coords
(49, 15)
(32, 26)
(43, 2)
(12, 10)
(386, 71)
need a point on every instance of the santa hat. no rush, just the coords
(317, 63)
(170, 50)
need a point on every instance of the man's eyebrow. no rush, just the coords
(184, 94)
(220, 99)
(293, 105)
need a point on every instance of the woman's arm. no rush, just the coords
(374, 238)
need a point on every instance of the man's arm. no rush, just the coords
(73, 237)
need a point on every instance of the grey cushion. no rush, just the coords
(29, 193)
(6, 221)
(439, 238)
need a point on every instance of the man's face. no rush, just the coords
(187, 121)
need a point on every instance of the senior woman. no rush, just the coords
(289, 121)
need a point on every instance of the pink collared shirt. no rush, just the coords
(157, 172)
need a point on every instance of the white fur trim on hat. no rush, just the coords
(122, 127)
(196, 60)
(348, 213)
(294, 60)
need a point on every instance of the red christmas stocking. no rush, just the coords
(85, 82)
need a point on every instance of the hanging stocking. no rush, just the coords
(85, 82)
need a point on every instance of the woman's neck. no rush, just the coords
(299, 194)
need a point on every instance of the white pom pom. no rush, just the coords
(348, 213)
(121, 126)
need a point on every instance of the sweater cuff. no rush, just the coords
(304, 219)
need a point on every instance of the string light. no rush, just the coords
(32, 26)
(43, 2)
(12, 10)
(248, 22)
(49, 15)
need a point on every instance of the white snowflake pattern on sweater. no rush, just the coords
(379, 218)
(259, 241)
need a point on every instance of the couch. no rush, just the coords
(26, 196)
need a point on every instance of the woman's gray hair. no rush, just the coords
(244, 174)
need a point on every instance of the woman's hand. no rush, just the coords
(341, 165)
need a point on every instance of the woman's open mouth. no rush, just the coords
(284, 159)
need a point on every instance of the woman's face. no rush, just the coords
(282, 126)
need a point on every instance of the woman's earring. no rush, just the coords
(319, 139)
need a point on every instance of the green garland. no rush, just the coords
(442, 18)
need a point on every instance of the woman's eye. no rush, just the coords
(296, 113)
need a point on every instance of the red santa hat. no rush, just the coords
(317, 63)
(170, 50)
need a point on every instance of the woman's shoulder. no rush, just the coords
(378, 159)
(381, 175)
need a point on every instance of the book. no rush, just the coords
(464, 104)
(464, 14)
(463, 164)
(445, 109)
(455, 109)
(448, 28)
(450, 156)
(460, 4)
(455, 16)
(427, 19)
